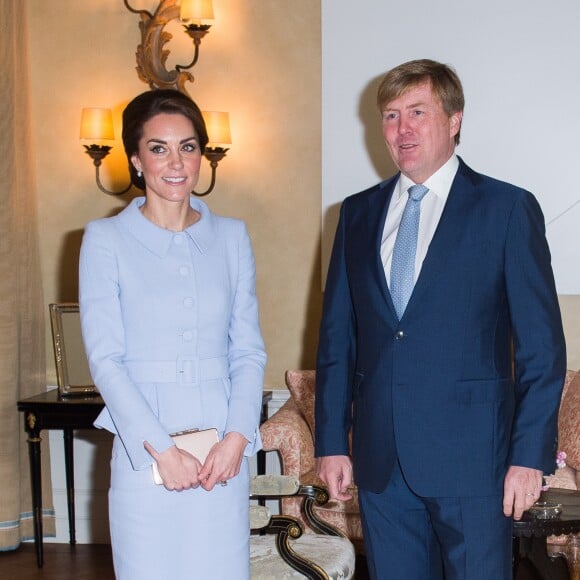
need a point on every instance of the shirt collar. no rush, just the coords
(159, 240)
(439, 183)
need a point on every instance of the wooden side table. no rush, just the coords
(530, 534)
(51, 411)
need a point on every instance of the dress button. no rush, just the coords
(399, 335)
(188, 302)
(184, 270)
(178, 239)
(187, 335)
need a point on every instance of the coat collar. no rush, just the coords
(158, 240)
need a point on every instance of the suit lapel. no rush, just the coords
(376, 227)
(448, 234)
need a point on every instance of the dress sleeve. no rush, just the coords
(246, 353)
(127, 411)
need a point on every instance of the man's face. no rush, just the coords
(419, 134)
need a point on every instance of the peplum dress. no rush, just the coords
(171, 330)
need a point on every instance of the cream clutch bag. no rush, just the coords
(196, 442)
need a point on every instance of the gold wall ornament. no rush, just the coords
(151, 54)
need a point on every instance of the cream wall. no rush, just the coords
(260, 62)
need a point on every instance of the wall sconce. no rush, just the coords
(218, 132)
(97, 124)
(151, 56)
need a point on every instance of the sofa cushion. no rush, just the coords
(569, 425)
(302, 385)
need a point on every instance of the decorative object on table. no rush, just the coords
(546, 510)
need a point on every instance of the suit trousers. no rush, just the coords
(434, 538)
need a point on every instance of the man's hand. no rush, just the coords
(521, 489)
(336, 472)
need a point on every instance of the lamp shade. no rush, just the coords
(196, 10)
(97, 123)
(217, 124)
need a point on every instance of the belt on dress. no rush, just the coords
(182, 370)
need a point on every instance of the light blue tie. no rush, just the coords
(403, 262)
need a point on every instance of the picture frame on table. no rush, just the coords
(72, 368)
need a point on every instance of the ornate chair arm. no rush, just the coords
(288, 528)
(316, 496)
(280, 486)
(285, 528)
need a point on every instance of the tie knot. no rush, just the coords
(417, 192)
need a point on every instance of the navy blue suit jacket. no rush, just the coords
(469, 381)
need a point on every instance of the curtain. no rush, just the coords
(22, 348)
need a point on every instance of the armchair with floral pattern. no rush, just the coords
(290, 432)
(567, 475)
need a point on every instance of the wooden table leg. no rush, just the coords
(534, 550)
(515, 556)
(35, 483)
(70, 482)
(570, 551)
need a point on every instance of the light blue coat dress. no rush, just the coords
(171, 331)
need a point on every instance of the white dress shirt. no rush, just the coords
(432, 206)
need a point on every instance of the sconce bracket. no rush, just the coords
(196, 31)
(214, 155)
(151, 55)
(97, 152)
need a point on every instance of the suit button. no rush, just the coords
(399, 335)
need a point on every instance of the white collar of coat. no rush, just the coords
(158, 240)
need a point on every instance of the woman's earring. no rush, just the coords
(139, 173)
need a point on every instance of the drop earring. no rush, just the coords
(139, 173)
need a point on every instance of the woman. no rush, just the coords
(170, 326)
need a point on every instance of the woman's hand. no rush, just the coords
(223, 461)
(178, 469)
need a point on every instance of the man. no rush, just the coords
(441, 345)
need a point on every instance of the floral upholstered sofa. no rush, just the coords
(568, 476)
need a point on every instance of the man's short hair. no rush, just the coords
(444, 82)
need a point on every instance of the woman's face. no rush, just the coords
(169, 157)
